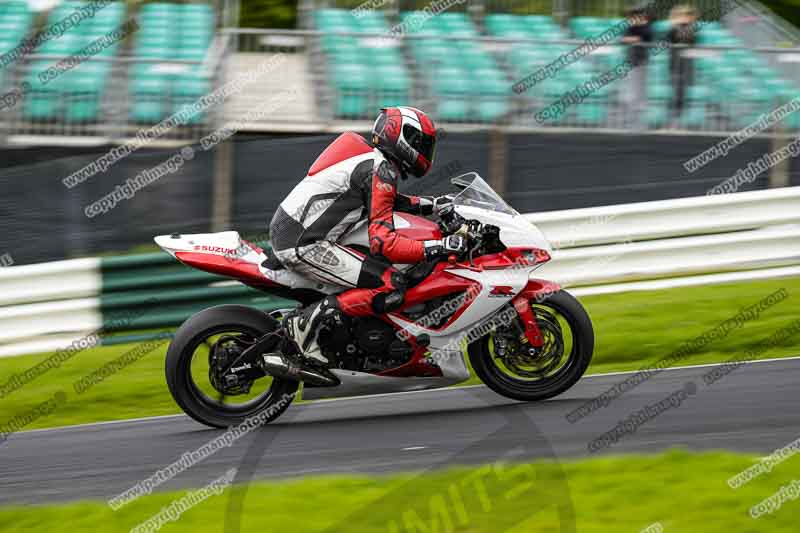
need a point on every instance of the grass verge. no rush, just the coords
(680, 491)
(631, 330)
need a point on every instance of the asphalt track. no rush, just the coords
(753, 409)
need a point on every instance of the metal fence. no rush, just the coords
(726, 87)
(104, 110)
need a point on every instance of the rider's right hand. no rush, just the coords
(450, 245)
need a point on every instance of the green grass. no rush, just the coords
(684, 492)
(631, 329)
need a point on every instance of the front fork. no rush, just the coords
(529, 324)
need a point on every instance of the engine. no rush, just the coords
(368, 345)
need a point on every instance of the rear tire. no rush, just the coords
(580, 356)
(178, 367)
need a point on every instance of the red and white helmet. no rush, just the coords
(406, 135)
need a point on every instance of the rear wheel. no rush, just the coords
(217, 336)
(516, 370)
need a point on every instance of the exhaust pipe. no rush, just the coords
(277, 366)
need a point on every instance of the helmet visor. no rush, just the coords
(421, 142)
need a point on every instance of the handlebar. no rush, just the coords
(481, 238)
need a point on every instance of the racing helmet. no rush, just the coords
(407, 136)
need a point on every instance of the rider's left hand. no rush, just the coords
(443, 205)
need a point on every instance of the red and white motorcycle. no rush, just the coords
(525, 338)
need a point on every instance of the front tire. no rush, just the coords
(202, 326)
(494, 372)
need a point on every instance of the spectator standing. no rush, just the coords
(682, 34)
(638, 36)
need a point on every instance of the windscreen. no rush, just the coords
(478, 193)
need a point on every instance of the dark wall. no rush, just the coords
(42, 220)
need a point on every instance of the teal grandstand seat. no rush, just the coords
(74, 96)
(350, 59)
(170, 31)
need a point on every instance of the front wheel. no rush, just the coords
(514, 369)
(218, 335)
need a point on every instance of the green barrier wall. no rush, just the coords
(141, 293)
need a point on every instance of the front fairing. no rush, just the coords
(515, 230)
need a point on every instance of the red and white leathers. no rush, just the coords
(351, 183)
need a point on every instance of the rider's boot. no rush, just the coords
(302, 358)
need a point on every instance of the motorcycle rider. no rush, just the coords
(354, 182)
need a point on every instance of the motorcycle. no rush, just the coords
(525, 338)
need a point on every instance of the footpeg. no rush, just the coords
(278, 366)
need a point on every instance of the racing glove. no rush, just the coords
(437, 205)
(452, 244)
